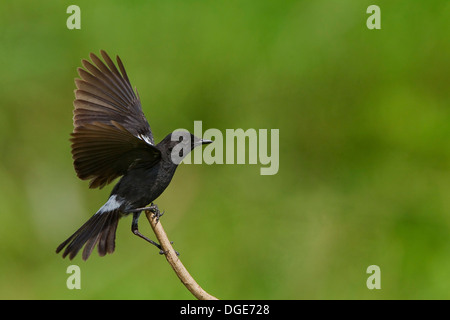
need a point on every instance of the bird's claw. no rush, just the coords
(161, 252)
(156, 213)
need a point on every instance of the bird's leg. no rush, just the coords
(135, 230)
(134, 225)
(152, 208)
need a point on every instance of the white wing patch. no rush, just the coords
(110, 205)
(145, 138)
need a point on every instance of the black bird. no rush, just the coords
(112, 138)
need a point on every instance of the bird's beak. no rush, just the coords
(204, 141)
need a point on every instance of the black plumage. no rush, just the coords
(112, 138)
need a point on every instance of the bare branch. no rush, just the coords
(175, 262)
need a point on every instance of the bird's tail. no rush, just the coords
(99, 229)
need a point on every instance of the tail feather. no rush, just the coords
(94, 236)
(99, 230)
(106, 238)
(80, 237)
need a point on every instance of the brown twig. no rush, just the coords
(175, 262)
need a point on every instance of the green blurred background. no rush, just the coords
(364, 120)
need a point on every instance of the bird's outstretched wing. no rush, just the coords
(110, 132)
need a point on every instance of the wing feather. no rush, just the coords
(111, 133)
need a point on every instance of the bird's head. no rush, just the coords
(178, 144)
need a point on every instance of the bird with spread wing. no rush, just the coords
(112, 138)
